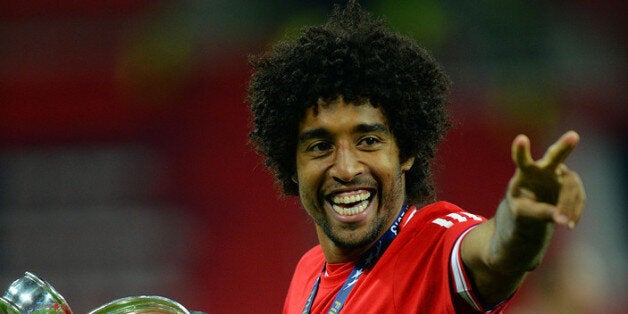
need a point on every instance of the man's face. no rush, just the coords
(351, 181)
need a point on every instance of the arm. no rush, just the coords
(499, 252)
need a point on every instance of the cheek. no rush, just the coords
(391, 176)
(309, 175)
(388, 167)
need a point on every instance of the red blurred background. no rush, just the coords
(125, 166)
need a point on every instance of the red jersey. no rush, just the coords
(421, 271)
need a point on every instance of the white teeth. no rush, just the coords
(362, 200)
(354, 210)
(339, 199)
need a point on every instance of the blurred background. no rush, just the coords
(124, 166)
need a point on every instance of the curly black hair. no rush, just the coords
(357, 57)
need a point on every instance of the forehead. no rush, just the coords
(339, 114)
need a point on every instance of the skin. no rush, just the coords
(348, 150)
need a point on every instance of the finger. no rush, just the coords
(571, 199)
(558, 152)
(521, 151)
(561, 170)
(530, 208)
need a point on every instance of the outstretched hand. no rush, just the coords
(545, 189)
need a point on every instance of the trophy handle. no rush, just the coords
(30, 294)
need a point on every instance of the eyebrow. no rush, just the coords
(314, 133)
(360, 128)
(367, 128)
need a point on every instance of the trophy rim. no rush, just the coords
(142, 302)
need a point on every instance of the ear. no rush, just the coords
(406, 165)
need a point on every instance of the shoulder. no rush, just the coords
(419, 260)
(436, 226)
(313, 254)
(311, 262)
(440, 216)
(307, 271)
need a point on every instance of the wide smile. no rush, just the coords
(350, 203)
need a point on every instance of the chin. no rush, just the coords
(353, 241)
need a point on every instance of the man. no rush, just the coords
(348, 116)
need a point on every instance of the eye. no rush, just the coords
(369, 141)
(319, 147)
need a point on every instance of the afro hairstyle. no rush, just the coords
(354, 56)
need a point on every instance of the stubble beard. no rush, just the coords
(372, 233)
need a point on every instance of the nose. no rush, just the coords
(347, 165)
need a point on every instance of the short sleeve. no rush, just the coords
(462, 283)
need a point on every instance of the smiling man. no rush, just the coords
(349, 175)
(348, 116)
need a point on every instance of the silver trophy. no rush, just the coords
(30, 294)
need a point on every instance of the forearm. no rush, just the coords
(515, 247)
(517, 244)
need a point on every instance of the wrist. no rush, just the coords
(519, 242)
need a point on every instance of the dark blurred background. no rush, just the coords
(124, 166)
